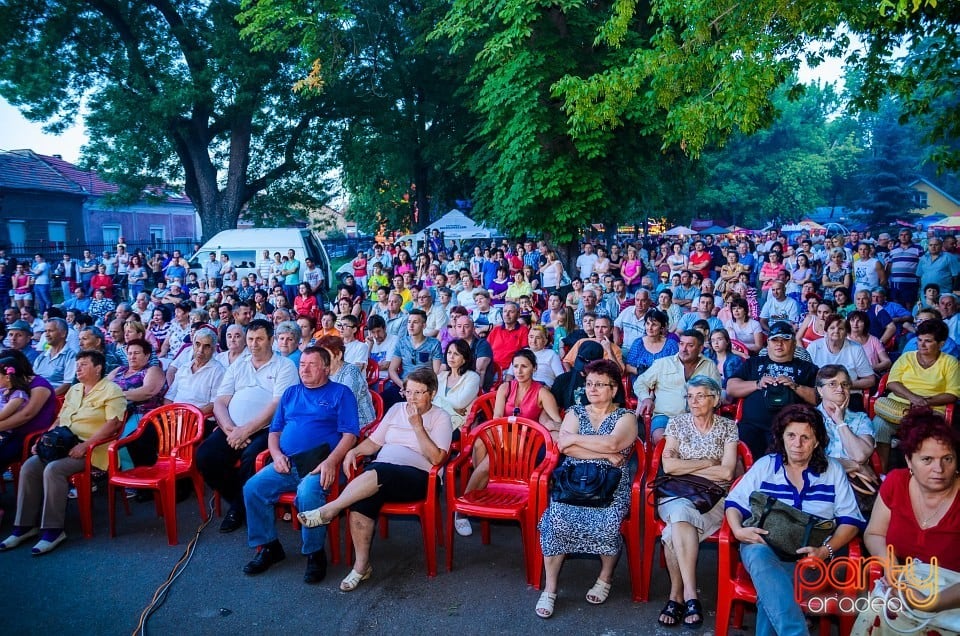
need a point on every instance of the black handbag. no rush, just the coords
(587, 484)
(306, 461)
(788, 529)
(702, 492)
(777, 396)
(56, 444)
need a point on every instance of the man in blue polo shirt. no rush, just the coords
(314, 426)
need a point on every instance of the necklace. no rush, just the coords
(925, 522)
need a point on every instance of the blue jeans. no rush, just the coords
(778, 613)
(261, 492)
(41, 297)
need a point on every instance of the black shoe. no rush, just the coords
(266, 556)
(316, 567)
(233, 520)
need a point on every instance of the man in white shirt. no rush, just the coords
(380, 345)
(265, 267)
(246, 400)
(436, 316)
(211, 271)
(197, 380)
(779, 307)
(586, 261)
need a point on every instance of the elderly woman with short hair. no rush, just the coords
(236, 345)
(702, 444)
(287, 337)
(93, 409)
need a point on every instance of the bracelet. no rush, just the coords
(826, 544)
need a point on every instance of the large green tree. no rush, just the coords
(400, 124)
(172, 92)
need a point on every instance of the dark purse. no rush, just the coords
(777, 396)
(587, 484)
(702, 493)
(308, 460)
(788, 529)
(56, 444)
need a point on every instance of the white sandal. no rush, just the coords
(354, 579)
(544, 608)
(43, 546)
(313, 518)
(16, 539)
(597, 594)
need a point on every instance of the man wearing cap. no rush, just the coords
(20, 336)
(602, 335)
(485, 317)
(767, 383)
(661, 390)
(569, 387)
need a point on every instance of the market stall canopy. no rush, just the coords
(456, 226)
(811, 225)
(680, 230)
(949, 223)
(716, 229)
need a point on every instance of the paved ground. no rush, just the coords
(101, 585)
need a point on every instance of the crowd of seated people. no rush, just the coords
(822, 356)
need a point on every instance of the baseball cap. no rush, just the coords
(781, 331)
(21, 325)
(589, 351)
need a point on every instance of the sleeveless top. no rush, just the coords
(135, 381)
(21, 284)
(809, 335)
(550, 276)
(529, 406)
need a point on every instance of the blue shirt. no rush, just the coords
(306, 418)
(686, 321)
(489, 272)
(939, 272)
(949, 347)
(412, 358)
(827, 495)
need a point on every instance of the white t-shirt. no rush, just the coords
(785, 309)
(356, 353)
(251, 389)
(585, 263)
(198, 388)
(383, 351)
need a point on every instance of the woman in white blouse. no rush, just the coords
(458, 384)
(549, 365)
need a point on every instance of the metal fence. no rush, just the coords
(53, 250)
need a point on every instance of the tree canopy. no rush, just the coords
(173, 93)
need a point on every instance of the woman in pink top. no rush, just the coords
(631, 270)
(413, 437)
(520, 397)
(771, 270)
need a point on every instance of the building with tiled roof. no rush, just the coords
(51, 205)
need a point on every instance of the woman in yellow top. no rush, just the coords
(93, 409)
(519, 287)
(925, 377)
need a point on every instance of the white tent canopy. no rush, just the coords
(455, 226)
(680, 230)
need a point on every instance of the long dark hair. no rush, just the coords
(803, 414)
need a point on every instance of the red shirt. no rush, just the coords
(102, 280)
(904, 532)
(700, 262)
(505, 343)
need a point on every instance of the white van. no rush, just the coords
(246, 247)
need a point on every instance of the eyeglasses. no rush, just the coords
(415, 393)
(599, 385)
(699, 397)
(833, 384)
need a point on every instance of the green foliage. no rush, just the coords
(172, 92)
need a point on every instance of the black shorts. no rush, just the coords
(397, 484)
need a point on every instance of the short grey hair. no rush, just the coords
(205, 333)
(289, 326)
(200, 315)
(61, 324)
(235, 327)
(706, 382)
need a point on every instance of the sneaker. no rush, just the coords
(462, 526)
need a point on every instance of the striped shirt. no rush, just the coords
(903, 263)
(827, 495)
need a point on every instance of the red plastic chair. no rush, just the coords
(735, 589)
(948, 410)
(653, 525)
(367, 430)
(427, 510)
(737, 346)
(83, 482)
(517, 489)
(372, 371)
(631, 402)
(179, 430)
(480, 411)
(497, 375)
(288, 500)
(631, 526)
